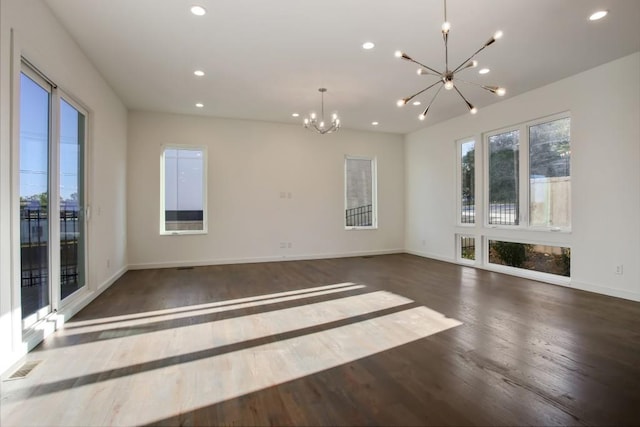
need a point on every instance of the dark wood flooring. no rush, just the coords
(384, 340)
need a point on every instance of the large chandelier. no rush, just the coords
(449, 77)
(319, 125)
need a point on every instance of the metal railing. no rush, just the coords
(362, 216)
(503, 213)
(34, 245)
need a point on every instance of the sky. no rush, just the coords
(34, 131)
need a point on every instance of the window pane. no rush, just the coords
(550, 174)
(546, 259)
(359, 193)
(468, 248)
(34, 196)
(467, 180)
(183, 189)
(72, 234)
(503, 178)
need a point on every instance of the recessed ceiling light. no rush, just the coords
(368, 45)
(417, 102)
(199, 105)
(483, 71)
(199, 73)
(295, 115)
(198, 10)
(598, 15)
(375, 123)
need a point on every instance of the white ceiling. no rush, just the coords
(265, 60)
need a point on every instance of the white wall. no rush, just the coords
(39, 37)
(249, 165)
(605, 170)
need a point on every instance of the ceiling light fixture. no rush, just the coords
(295, 115)
(448, 78)
(375, 123)
(198, 10)
(199, 105)
(368, 45)
(199, 73)
(484, 71)
(311, 122)
(598, 15)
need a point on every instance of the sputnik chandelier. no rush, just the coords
(321, 127)
(448, 78)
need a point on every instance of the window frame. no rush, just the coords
(476, 247)
(374, 193)
(524, 186)
(162, 223)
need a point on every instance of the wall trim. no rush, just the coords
(223, 261)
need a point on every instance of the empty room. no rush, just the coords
(290, 213)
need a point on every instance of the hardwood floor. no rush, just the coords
(385, 340)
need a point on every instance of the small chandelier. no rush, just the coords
(448, 78)
(321, 127)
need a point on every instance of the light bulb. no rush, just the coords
(497, 35)
(448, 84)
(419, 71)
(334, 117)
(306, 121)
(422, 116)
(313, 116)
(398, 54)
(199, 73)
(474, 64)
(321, 125)
(401, 102)
(473, 110)
(446, 26)
(501, 91)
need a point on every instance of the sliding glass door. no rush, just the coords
(51, 176)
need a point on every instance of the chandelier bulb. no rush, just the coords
(398, 54)
(497, 35)
(422, 116)
(334, 117)
(474, 63)
(473, 110)
(501, 91)
(446, 26)
(419, 71)
(321, 125)
(401, 102)
(306, 121)
(313, 116)
(448, 84)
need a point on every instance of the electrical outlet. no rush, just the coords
(619, 269)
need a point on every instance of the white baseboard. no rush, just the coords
(223, 261)
(432, 256)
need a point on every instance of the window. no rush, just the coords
(542, 258)
(503, 178)
(529, 175)
(466, 249)
(467, 170)
(550, 174)
(360, 192)
(183, 190)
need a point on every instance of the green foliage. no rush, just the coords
(503, 167)
(512, 254)
(565, 262)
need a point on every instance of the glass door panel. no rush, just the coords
(72, 230)
(34, 198)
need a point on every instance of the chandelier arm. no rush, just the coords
(422, 91)
(465, 99)
(424, 114)
(491, 89)
(468, 59)
(422, 65)
(445, 36)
